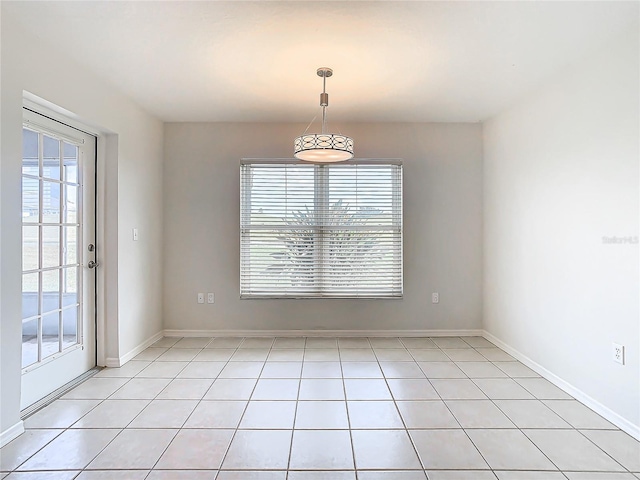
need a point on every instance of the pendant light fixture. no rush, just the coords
(323, 147)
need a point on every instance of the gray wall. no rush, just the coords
(442, 228)
(561, 173)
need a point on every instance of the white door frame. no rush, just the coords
(107, 331)
(48, 371)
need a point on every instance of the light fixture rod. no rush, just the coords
(324, 72)
(324, 119)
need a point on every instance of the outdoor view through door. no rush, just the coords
(332, 230)
(58, 218)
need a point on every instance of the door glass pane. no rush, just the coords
(30, 199)
(29, 295)
(50, 202)
(30, 164)
(50, 290)
(70, 214)
(29, 342)
(69, 327)
(50, 247)
(70, 165)
(69, 242)
(30, 236)
(50, 334)
(69, 287)
(51, 158)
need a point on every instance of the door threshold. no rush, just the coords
(56, 394)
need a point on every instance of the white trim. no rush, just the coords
(101, 258)
(111, 362)
(322, 333)
(51, 358)
(116, 362)
(59, 114)
(11, 433)
(108, 328)
(37, 126)
(619, 421)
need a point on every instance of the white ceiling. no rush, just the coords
(256, 61)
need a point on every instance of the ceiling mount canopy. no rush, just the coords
(323, 147)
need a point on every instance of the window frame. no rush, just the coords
(319, 185)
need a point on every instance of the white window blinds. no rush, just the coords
(321, 230)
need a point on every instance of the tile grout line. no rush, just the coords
(492, 401)
(197, 404)
(264, 364)
(62, 430)
(121, 429)
(535, 398)
(38, 450)
(395, 404)
(346, 407)
(70, 427)
(602, 449)
(507, 416)
(434, 389)
(244, 411)
(177, 431)
(454, 417)
(295, 412)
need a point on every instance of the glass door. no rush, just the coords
(58, 242)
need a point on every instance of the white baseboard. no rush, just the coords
(322, 333)
(115, 362)
(11, 433)
(619, 421)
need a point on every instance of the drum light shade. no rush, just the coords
(323, 147)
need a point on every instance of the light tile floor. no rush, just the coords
(320, 408)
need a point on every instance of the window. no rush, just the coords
(321, 230)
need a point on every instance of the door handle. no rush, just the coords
(92, 264)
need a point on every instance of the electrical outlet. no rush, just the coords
(618, 353)
(435, 297)
(210, 298)
(201, 298)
